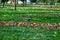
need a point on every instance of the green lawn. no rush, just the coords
(41, 18)
(35, 14)
(29, 10)
(28, 33)
(43, 15)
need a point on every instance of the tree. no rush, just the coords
(47, 1)
(33, 1)
(24, 1)
(4, 1)
(52, 3)
(59, 1)
(55, 0)
(15, 4)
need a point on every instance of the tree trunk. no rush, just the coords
(3, 4)
(15, 4)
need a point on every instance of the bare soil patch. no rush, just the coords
(30, 24)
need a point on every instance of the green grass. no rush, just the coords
(41, 18)
(47, 15)
(29, 10)
(28, 33)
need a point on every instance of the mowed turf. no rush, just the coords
(29, 10)
(40, 18)
(28, 33)
(35, 14)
